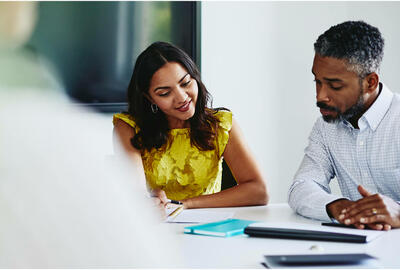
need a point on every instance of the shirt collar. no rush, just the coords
(374, 115)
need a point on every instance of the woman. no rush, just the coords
(179, 142)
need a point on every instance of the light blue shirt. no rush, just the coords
(368, 156)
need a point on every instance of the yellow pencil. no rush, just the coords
(175, 212)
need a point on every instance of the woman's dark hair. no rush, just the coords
(154, 126)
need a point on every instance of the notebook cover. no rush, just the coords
(225, 228)
(304, 234)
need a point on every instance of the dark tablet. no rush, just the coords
(318, 259)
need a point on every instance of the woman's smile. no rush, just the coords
(184, 107)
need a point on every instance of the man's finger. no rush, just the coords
(366, 209)
(358, 204)
(375, 226)
(373, 219)
(359, 226)
(363, 191)
(387, 227)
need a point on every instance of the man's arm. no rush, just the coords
(310, 192)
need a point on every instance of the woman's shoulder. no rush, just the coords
(225, 118)
(126, 118)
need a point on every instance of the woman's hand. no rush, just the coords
(160, 201)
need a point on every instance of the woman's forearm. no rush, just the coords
(245, 194)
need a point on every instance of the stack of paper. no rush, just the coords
(198, 216)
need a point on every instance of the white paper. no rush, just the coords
(199, 216)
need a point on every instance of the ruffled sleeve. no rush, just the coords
(225, 125)
(127, 119)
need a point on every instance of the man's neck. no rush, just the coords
(354, 120)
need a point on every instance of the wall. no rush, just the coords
(257, 59)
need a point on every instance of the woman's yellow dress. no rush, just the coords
(180, 169)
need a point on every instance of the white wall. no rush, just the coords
(257, 58)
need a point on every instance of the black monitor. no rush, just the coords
(93, 45)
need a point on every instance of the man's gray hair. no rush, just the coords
(355, 41)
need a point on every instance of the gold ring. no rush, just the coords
(374, 211)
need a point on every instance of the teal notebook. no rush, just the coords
(223, 228)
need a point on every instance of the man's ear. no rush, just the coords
(371, 82)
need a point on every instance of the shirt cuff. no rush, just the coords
(320, 206)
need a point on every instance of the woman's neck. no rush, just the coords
(177, 123)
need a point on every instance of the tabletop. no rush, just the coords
(247, 252)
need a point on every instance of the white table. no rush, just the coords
(247, 252)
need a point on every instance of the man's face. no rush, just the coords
(339, 91)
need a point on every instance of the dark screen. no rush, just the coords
(93, 45)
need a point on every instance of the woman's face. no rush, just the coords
(175, 92)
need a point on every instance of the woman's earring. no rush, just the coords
(154, 108)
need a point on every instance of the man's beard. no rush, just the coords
(354, 110)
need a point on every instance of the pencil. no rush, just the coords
(176, 212)
(175, 202)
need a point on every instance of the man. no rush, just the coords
(62, 204)
(357, 140)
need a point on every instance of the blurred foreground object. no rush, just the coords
(17, 21)
(62, 204)
(20, 67)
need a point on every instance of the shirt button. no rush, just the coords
(361, 143)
